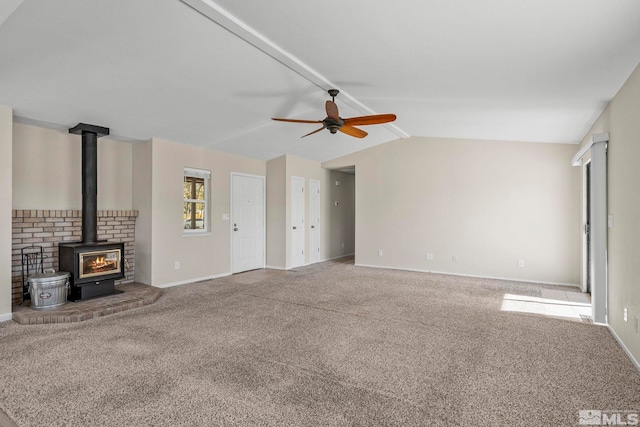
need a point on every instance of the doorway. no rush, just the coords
(248, 231)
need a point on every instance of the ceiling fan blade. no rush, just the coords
(350, 130)
(332, 110)
(370, 120)
(296, 120)
(311, 133)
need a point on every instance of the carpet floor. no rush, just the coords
(329, 344)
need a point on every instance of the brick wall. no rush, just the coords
(48, 227)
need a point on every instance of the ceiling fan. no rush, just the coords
(335, 123)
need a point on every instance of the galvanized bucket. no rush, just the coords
(48, 289)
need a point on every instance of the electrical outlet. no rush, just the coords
(379, 252)
(520, 263)
(624, 314)
(454, 258)
(176, 265)
(429, 257)
(342, 245)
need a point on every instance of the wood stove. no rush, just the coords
(94, 265)
(94, 268)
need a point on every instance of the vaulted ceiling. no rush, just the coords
(213, 73)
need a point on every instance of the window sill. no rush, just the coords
(204, 233)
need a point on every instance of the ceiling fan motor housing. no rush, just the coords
(333, 125)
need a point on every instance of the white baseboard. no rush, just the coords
(337, 257)
(6, 317)
(197, 279)
(274, 267)
(471, 275)
(624, 347)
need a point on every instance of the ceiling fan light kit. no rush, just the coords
(335, 123)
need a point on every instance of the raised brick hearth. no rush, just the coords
(135, 295)
(47, 228)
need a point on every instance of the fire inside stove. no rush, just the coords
(99, 263)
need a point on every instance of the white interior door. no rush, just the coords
(314, 221)
(297, 222)
(586, 285)
(247, 222)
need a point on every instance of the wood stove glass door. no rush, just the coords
(99, 263)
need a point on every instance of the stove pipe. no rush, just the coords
(90, 135)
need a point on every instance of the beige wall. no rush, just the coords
(6, 147)
(142, 202)
(488, 204)
(622, 120)
(277, 206)
(47, 170)
(199, 256)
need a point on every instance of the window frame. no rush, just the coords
(206, 175)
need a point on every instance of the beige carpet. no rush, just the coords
(331, 344)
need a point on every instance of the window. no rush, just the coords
(195, 207)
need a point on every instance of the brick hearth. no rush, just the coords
(135, 295)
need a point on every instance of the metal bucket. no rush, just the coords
(48, 289)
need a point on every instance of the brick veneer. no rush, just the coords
(47, 228)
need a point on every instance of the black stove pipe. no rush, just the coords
(90, 135)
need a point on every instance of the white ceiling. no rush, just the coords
(212, 74)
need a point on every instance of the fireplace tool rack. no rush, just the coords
(32, 258)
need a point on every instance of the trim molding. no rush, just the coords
(595, 138)
(6, 317)
(575, 285)
(186, 282)
(337, 257)
(273, 267)
(624, 347)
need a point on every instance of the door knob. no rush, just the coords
(294, 227)
(313, 226)
(235, 228)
